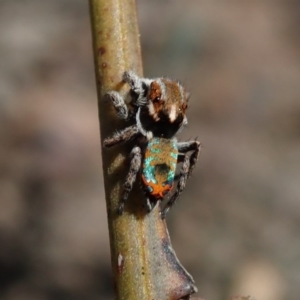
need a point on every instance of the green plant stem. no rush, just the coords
(143, 262)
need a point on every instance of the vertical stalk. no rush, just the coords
(144, 265)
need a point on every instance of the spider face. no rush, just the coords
(163, 114)
(160, 106)
(167, 100)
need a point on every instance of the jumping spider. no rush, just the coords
(159, 107)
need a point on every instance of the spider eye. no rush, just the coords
(156, 99)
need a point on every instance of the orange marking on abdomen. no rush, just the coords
(159, 191)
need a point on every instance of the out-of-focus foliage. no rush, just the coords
(235, 227)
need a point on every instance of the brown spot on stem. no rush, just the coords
(101, 50)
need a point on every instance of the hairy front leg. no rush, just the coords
(124, 135)
(119, 104)
(138, 85)
(134, 81)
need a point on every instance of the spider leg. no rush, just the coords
(138, 86)
(134, 82)
(121, 136)
(180, 159)
(194, 146)
(151, 204)
(184, 173)
(118, 103)
(135, 164)
(148, 205)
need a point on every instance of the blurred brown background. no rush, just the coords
(236, 227)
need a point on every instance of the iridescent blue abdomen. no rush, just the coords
(159, 166)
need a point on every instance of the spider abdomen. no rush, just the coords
(159, 166)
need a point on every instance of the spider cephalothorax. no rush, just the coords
(161, 108)
(167, 99)
(159, 112)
